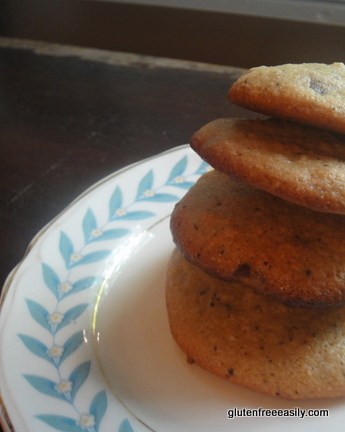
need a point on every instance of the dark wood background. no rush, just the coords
(70, 120)
(176, 32)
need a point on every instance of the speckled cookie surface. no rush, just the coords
(289, 252)
(254, 341)
(309, 93)
(301, 164)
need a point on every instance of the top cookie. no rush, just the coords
(309, 93)
(298, 163)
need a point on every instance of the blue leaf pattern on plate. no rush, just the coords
(115, 203)
(58, 320)
(202, 168)
(136, 215)
(145, 186)
(177, 170)
(159, 197)
(109, 234)
(89, 225)
(98, 408)
(45, 386)
(82, 284)
(80, 259)
(125, 427)
(39, 313)
(35, 346)
(72, 343)
(78, 377)
(66, 387)
(51, 279)
(66, 248)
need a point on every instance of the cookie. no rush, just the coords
(254, 341)
(298, 163)
(234, 231)
(309, 93)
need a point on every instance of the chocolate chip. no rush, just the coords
(243, 270)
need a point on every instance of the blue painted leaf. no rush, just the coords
(202, 168)
(51, 279)
(35, 346)
(98, 407)
(44, 385)
(61, 423)
(90, 258)
(82, 284)
(66, 248)
(162, 197)
(145, 184)
(111, 234)
(78, 377)
(71, 315)
(184, 185)
(178, 169)
(115, 203)
(89, 224)
(39, 314)
(71, 345)
(137, 215)
(125, 427)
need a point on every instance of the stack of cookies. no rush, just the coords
(256, 285)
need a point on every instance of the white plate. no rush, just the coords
(84, 338)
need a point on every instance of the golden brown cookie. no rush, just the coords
(309, 93)
(234, 231)
(298, 163)
(254, 341)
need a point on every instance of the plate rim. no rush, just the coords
(41, 231)
(7, 287)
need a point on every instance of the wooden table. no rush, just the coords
(71, 116)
